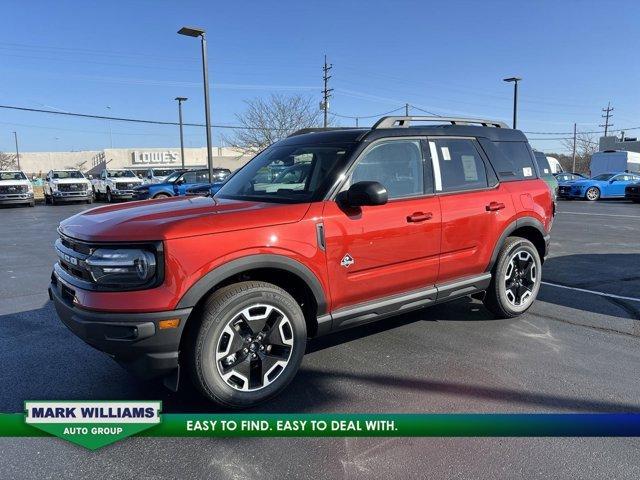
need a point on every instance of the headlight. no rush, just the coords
(54, 187)
(30, 187)
(126, 267)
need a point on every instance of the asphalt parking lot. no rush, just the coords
(576, 350)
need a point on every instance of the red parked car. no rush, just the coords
(375, 222)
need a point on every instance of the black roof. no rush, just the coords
(355, 135)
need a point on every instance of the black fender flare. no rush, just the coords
(512, 227)
(251, 262)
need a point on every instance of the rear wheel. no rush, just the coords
(249, 345)
(592, 194)
(516, 279)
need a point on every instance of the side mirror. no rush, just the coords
(613, 180)
(362, 194)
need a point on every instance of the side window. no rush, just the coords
(512, 160)
(202, 177)
(396, 164)
(189, 177)
(457, 165)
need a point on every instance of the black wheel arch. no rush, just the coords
(526, 227)
(256, 263)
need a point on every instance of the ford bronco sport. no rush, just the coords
(375, 222)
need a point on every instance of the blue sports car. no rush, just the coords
(565, 179)
(178, 183)
(605, 185)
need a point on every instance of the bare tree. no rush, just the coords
(8, 161)
(586, 145)
(266, 121)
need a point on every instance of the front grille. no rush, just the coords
(72, 257)
(125, 186)
(12, 189)
(72, 187)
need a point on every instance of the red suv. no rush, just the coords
(322, 231)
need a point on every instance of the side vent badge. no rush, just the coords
(347, 261)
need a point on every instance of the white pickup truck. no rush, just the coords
(66, 186)
(15, 187)
(115, 184)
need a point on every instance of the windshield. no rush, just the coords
(12, 176)
(161, 173)
(174, 176)
(72, 174)
(288, 174)
(603, 176)
(120, 174)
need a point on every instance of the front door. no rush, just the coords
(378, 251)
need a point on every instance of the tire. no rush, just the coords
(592, 194)
(250, 306)
(32, 203)
(515, 257)
(52, 200)
(96, 195)
(46, 199)
(109, 196)
(635, 200)
(161, 195)
(89, 201)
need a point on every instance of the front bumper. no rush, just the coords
(123, 194)
(134, 340)
(15, 198)
(632, 193)
(72, 196)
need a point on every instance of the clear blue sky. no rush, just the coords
(446, 57)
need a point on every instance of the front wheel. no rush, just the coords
(109, 196)
(161, 195)
(592, 194)
(249, 345)
(516, 279)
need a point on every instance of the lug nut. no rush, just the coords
(261, 347)
(253, 355)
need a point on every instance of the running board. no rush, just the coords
(388, 306)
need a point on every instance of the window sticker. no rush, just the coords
(527, 171)
(445, 153)
(469, 167)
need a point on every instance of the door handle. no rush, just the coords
(419, 217)
(495, 206)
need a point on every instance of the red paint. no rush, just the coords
(403, 245)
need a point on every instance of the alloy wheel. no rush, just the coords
(254, 348)
(592, 193)
(520, 278)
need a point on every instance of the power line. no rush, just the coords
(378, 115)
(131, 120)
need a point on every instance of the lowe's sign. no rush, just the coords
(157, 158)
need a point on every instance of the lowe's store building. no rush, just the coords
(93, 161)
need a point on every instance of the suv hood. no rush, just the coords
(177, 217)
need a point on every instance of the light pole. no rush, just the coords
(515, 81)
(180, 100)
(15, 137)
(109, 125)
(199, 32)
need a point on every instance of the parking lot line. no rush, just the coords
(594, 292)
(602, 214)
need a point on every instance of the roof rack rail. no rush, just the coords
(405, 122)
(302, 131)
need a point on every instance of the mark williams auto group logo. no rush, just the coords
(92, 424)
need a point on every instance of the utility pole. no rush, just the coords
(406, 109)
(180, 100)
(326, 92)
(574, 146)
(15, 137)
(356, 121)
(607, 115)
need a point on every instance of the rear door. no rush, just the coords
(378, 251)
(475, 207)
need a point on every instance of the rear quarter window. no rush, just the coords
(511, 160)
